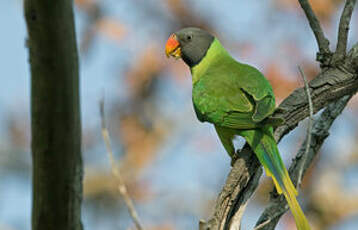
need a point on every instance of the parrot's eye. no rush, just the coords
(189, 37)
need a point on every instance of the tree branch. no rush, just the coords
(122, 188)
(344, 28)
(278, 204)
(55, 115)
(240, 184)
(322, 41)
(329, 85)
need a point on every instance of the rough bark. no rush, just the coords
(55, 115)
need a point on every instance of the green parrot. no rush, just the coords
(237, 99)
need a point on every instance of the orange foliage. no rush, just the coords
(145, 69)
(162, 227)
(323, 8)
(140, 144)
(332, 200)
(281, 84)
(98, 183)
(185, 16)
(84, 3)
(18, 130)
(111, 28)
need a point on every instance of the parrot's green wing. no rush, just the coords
(256, 85)
(226, 105)
(232, 95)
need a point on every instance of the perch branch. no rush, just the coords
(115, 171)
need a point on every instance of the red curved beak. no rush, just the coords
(172, 48)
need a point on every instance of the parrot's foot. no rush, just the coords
(234, 157)
(274, 121)
(280, 110)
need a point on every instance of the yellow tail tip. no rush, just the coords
(300, 219)
(290, 194)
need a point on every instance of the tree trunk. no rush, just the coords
(55, 116)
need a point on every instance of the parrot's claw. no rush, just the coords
(274, 121)
(280, 110)
(234, 157)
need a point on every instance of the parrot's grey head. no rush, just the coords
(190, 44)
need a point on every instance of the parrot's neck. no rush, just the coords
(215, 52)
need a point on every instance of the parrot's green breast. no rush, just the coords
(225, 91)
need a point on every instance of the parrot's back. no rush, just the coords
(221, 85)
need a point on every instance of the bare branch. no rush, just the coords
(309, 128)
(328, 86)
(266, 222)
(115, 171)
(344, 28)
(322, 41)
(240, 184)
(260, 226)
(278, 204)
(236, 211)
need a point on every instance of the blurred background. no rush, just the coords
(173, 165)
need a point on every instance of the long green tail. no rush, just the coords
(265, 147)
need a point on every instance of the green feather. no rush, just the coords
(263, 144)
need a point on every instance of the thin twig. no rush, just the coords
(309, 128)
(344, 28)
(266, 222)
(260, 226)
(322, 41)
(115, 171)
